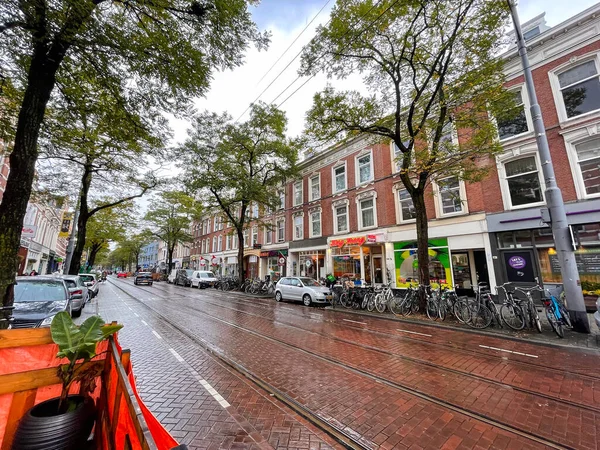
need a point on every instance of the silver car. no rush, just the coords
(78, 291)
(302, 289)
(91, 281)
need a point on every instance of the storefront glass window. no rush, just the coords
(312, 264)
(461, 270)
(506, 240)
(523, 238)
(543, 237)
(405, 256)
(346, 261)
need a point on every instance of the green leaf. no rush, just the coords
(108, 330)
(65, 333)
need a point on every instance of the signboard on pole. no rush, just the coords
(28, 231)
(65, 227)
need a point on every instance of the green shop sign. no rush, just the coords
(406, 263)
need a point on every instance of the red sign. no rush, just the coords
(371, 238)
(360, 240)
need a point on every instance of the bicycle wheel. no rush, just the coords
(406, 307)
(371, 302)
(442, 309)
(344, 300)
(380, 302)
(479, 316)
(396, 306)
(365, 300)
(536, 318)
(566, 318)
(432, 309)
(461, 310)
(512, 316)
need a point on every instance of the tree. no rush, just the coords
(108, 225)
(232, 166)
(170, 217)
(431, 69)
(147, 56)
(137, 242)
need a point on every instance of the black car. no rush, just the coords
(183, 277)
(142, 278)
(38, 300)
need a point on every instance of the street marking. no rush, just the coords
(413, 332)
(144, 323)
(177, 355)
(130, 308)
(289, 309)
(136, 314)
(509, 351)
(156, 334)
(354, 321)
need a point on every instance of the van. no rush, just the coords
(203, 279)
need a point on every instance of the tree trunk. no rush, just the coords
(170, 251)
(93, 253)
(422, 241)
(241, 274)
(82, 220)
(40, 82)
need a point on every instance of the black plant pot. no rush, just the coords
(43, 429)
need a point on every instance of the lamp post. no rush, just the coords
(554, 200)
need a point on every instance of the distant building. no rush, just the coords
(149, 256)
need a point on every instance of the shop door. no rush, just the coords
(377, 269)
(520, 266)
(481, 267)
(461, 269)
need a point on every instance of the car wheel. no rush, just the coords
(306, 300)
(76, 313)
(150, 284)
(278, 296)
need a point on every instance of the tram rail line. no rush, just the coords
(409, 390)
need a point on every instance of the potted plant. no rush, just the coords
(66, 422)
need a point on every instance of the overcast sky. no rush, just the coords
(233, 91)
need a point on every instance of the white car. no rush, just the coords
(203, 279)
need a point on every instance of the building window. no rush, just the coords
(315, 187)
(228, 242)
(254, 236)
(315, 224)
(214, 246)
(268, 235)
(339, 173)
(282, 199)
(407, 207)
(208, 222)
(523, 181)
(366, 212)
(220, 244)
(580, 89)
(341, 219)
(450, 198)
(255, 210)
(517, 121)
(297, 193)
(246, 238)
(203, 246)
(234, 242)
(281, 230)
(588, 159)
(298, 227)
(364, 168)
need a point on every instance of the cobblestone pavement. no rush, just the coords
(201, 402)
(385, 384)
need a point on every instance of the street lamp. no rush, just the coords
(554, 200)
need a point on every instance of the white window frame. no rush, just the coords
(556, 89)
(526, 108)
(573, 138)
(333, 178)
(255, 211)
(208, 224)
(282, 221)
(334, 207)
(311, 214)
(234, 242)
(301, 236)
(268, 234)
(254, 236)
(361, 198)
(438, 199)
(282, 198)
(228, 242)
(396, 165)
(214, 244)
(361, 155)
(203, 246)
(512, 155)
(296, 191)
(246, 238)
(310, 187)
(398, 187)
(220, 243)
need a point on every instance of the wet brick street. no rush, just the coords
(223, 370)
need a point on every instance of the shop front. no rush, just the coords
(359, 258)
(406, 263)
(312, 264)
(252, 263)
(230, 266)
(274, 263)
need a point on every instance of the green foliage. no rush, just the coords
(230, 166)
(78, 344)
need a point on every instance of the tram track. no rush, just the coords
(395, 385)
(396, 337)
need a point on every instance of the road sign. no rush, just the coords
(281, 261)
(202, 262)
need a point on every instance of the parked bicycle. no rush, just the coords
(557, 314)
(511, 311)
(528, 307)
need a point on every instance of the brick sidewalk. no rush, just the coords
(198, 400)
(382, 414)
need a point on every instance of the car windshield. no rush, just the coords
(206, 275)
(189, 272)
(71, 283)
(39, 291)
(86, 277)
(143, 274)
(309, 282)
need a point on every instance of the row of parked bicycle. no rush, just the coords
(479, 312)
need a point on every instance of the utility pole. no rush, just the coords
(71, 244)
(554, 200)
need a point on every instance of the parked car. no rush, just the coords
(121, 274)
(203, 279)
(142, 278)
(597, 313)
(91, 281)
(38, 300)
(184, 277)
(302, 289)
(80, 293)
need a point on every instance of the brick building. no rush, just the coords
(349, 214)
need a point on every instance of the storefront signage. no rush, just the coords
(28, 231)
(308, 263)
(252, 258)
(281, 261)
(272, 253)
(360, 240)
(517, 262)
(257, 246)
(214, 261)
(371, 238)
(65, 227)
